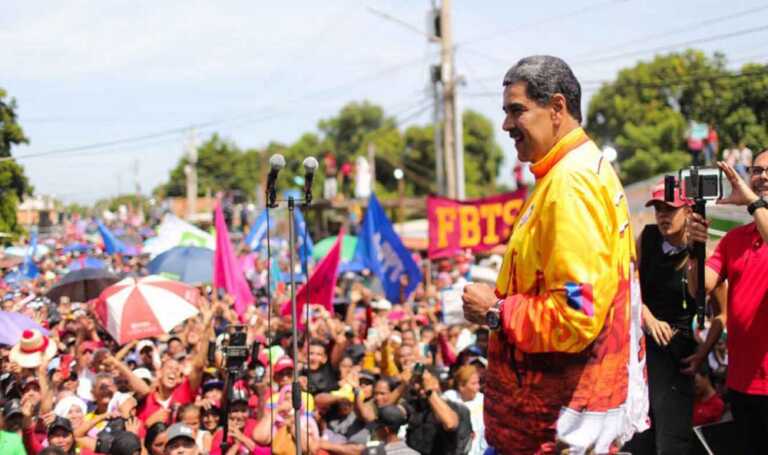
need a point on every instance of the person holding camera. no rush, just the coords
(741, 259)
(667, 314)
(435, 425)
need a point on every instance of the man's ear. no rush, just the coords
(559, 107)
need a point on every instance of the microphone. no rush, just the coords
(276, 163)
(310, 165)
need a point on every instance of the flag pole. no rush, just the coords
(295, 389)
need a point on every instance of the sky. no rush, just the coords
(86, 73)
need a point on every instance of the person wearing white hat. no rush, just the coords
(33, 349)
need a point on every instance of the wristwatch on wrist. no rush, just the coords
(493, 316)
(758, 204)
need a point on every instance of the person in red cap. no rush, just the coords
(667, 316)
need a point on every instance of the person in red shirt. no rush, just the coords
(708, 407)
(173, 390)
(741, 259)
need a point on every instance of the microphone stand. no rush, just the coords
(295, 387)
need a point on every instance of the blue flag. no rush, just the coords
(301, 230)
(112, 244)
(258, 231)
(382, 251)
(28, 268)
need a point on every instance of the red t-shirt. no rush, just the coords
(708, 411)
(182, 394)
(741, 257)
(250, 424)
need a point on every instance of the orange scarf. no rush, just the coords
(567, 143)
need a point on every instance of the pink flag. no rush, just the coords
(320, 286)
(227, 273)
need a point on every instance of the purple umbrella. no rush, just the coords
(13, 324)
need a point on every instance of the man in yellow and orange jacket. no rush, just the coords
(566, 357)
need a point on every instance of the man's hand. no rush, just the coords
(693, 362)
(478, 299)
(697, 228)
(661, 331)
(741, 193)
(430, 382)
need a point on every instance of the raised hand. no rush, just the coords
(741, 193)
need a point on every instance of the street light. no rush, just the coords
(401, 195)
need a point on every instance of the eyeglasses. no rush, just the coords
(757, 170)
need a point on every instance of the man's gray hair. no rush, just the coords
(545, 76)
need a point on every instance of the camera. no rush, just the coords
(418, 370)
(695, 183)
(236, 350)
(106, 437)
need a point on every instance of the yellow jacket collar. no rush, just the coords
(567, 143)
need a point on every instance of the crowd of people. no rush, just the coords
(373, 373)
(553, 360)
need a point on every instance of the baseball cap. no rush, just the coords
(143, 373)
(179, 430)
(283, 363)
(657, 195)
(367, 375)
(126, 443)
(213, 384)
(11, 407)
(143, 344)
(381, 304)
(392, 417)
(60, 422)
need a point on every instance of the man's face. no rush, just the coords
(406, 356)
(170, 373)
(181, 446)
(61, 438)
(284, 376)
(759, 182)
(316, 357)
(530, 125)
(670, 219)
(103, 391)
(174, 346)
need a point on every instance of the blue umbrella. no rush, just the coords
(79, 247)
(86, 263)
(13, 324)
(190, 264)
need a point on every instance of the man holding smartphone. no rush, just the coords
(741, 259)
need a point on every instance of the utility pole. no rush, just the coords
(449, 105)
(458, 129)
(139, 206)
(438, 131)
(190, 170)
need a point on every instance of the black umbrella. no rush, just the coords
(82, 285)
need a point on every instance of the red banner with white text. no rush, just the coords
(477, 224)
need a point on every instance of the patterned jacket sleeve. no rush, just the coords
(576, 235)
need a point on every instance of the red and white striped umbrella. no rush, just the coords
(133, 309)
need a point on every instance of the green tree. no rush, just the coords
(646, 111)
(13, 183)
(221, 166)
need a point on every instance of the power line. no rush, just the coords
(705, 39)
(205, 125)
(661, 83)
(398, 21)
(560, 17)
(683, 29)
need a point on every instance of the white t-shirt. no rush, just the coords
(476, 414)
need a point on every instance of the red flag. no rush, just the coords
(320, 287)
(227, 273)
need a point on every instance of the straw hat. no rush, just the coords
(32, 348)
